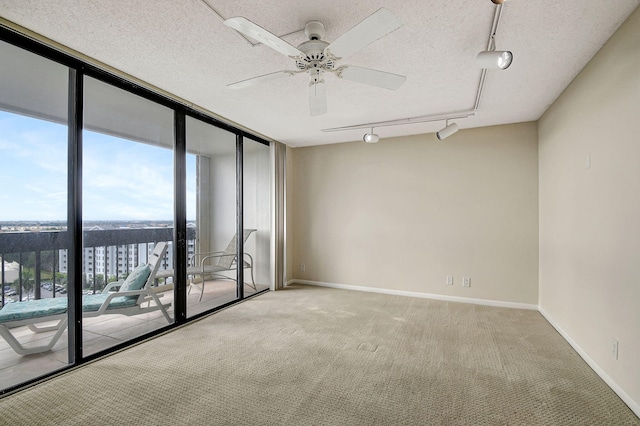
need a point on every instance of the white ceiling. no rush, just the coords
(182, 47)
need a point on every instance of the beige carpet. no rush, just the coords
(317, 356)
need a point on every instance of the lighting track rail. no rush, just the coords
(440, 116)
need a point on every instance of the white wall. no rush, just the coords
(222, 200)
(407, 212)
(590, 217)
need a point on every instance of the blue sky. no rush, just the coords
(122, 180)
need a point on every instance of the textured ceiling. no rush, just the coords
(182, 47)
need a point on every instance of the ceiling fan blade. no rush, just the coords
(260, 79)
(317, 98)
(377, 78)
(377, 25)
(258, 33)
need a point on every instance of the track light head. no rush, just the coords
(371, 138)
(497, 59)
(447, 131)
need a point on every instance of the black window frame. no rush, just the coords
(78, 69)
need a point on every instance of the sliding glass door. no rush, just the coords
(127, 198)
(108, 188)
(33, 212)
(211, 216)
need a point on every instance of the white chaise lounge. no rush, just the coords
(135, 296)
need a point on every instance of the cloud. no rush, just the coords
(126, 180)
(121, 179)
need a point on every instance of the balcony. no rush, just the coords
(99, 333)
(32, 245)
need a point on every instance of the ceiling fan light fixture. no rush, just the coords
(447, 131)
(495, 59)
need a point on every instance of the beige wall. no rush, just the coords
(407, 212)
(590, 217)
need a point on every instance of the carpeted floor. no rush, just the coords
(318, 356)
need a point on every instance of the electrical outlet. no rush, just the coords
(449, 280)
(614, 348)
(303, 267)
(466, 282)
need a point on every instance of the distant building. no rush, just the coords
(11, 271)
(111, 261)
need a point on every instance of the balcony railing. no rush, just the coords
(29, 249)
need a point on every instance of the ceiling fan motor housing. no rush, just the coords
(314, 30)
(314, 56)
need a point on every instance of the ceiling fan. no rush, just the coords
(317, 56)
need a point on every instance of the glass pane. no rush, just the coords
(33, 212)
(127, 201)
(257, 216)
(211, 216)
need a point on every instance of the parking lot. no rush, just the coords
(46, 291)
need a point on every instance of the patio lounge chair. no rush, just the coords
(134, 293)
(214, 264)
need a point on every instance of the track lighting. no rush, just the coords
(492, 58)
(371, 137)
(447, 131)
(500, 59)
(486, 59)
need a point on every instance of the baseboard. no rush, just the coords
(485, 302)
(633, 405)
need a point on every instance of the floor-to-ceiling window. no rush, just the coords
(95, 216)
(127, 210)
(33, 207)
(212, 214)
